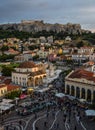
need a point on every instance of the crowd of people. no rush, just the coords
(69, 109)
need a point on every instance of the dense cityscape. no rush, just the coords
(47, 83)
(47, 65)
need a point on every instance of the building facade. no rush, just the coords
(80, 57)
(29, 74)
(3, 89)
(92, 57)
(81, 84)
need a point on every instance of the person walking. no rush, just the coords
(36, 128)
(35, 115)
(45, 124)
(75, 128)
(53, 113)
(57, 126)
(47, 114)
(2, 120)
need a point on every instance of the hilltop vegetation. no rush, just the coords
(57, 35)
(31, 28)
(76, 34)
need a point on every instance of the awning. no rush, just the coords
(5, 107)
(82, 100)
(7, 100)
(71, 97)
(60, 95)
(30, 89)
(42, 90)
(90, 112)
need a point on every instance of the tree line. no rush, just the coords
(57, 35)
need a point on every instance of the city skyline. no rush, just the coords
(66, 11)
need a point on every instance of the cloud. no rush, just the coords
(55, 11)
(88, 9)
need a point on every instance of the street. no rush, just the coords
(64, 116)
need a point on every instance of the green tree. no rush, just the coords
(33, 47)
(13, 94)
(80, 44)
(35, 57)
(5, 57)
(13, 47)
(6, 71)
(92, 106)
(4, 48)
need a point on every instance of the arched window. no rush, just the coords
(89, 95)
(68, 89)
(83, 93)
(72, 91)
(93, 96)
(77, 92)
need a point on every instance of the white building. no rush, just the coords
(81, 84)
(29, 74)
(68, 38)
(92, 57)
(23, 57)
(3, 89)
(50, 39)
(80, 57)
(89, 50)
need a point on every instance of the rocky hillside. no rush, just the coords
(36, 26)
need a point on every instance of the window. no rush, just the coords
(1, 91)
(5, 91)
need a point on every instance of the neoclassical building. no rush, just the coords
(81, 84)
(3, 89)
(29, 74)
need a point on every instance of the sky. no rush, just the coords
(51, 11)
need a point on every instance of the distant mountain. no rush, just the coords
(36, 26)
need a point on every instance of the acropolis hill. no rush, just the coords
(36, 26)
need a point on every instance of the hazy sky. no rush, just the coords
(51, 11)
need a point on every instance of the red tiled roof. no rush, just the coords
(63, 57)
(2, 85)
(27, 64)
(7, 81)
(40, 72)
(86, 47)
(12, 87)
(90, 63)
(2, 78)
(82, 74)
